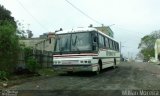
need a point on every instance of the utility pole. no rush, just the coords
(120, 45)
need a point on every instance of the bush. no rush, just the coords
(32, 65)
(4, 75)
(9, 44)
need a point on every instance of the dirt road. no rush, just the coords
(128, 76)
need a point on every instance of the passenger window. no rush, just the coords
(106, 43)
(94, 40)
(101, 41)
(110, 44)
(117, 46)
(114, 47)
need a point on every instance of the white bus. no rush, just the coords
(85, 49)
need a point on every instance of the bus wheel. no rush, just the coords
(114, 66)
(98, 70)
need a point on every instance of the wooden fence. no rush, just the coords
(44, 58)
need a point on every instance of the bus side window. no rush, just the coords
(101, 41)
(114, 47)
(94, 41)
(110, 44)
(118, 46)
(106, 43)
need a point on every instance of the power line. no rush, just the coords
(83, 12)
(32, 16)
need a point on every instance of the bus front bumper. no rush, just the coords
(88, 67)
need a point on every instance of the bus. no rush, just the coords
(85, 49)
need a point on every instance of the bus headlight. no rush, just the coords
(57, 62)
(85, 61)
(54, 62)
(89, 61)
(81, 61)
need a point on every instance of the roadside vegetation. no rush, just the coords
(9, 45)
(10, 33)
(146, 45)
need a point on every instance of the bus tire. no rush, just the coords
(115, 65)
(100, 64)
(98, 70)
(99, 67)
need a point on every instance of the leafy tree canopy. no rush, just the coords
(8, 41)
(6, 15)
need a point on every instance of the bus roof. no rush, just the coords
(76, 30)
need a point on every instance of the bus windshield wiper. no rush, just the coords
(75, 44)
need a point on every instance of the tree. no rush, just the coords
(147, 44)
(21, 32)
(30, 34)
(9, 45)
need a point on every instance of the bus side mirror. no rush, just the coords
(95, 39)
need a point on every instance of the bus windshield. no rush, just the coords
(73, 42)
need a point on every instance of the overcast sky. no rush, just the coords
(132, 18)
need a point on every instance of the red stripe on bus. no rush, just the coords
(68, 55)
(103, 49)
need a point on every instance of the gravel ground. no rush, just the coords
(128, 76)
